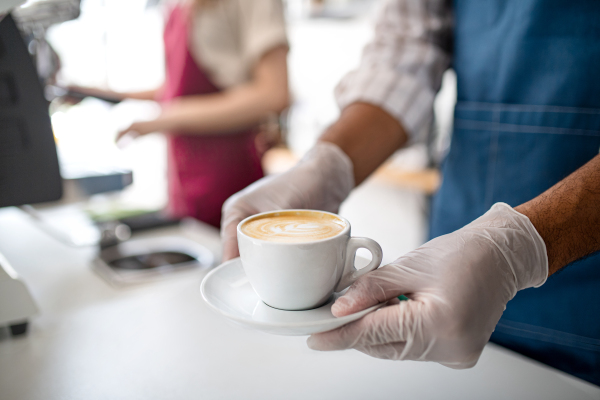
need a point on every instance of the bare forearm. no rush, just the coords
(234, 108)
(567, 216)
(368, 135)
(104, 93)
(143, 95)
(221, 112)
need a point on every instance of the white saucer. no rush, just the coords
(227, 290)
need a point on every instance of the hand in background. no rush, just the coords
(458, 286)
(134, 131)
(78, 93)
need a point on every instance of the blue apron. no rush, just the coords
(528, 114)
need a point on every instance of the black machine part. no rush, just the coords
(29, 171)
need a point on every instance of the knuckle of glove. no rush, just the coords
(461, 345)
(383, 283)
(392, 351)
(368, 290)
(374, 329)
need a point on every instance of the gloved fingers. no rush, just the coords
(397, 351)
(231, 218)
(234, 211)
(238, 207)
(460, 365)
(376, 287)
(393, 302)
(230, 243)
(386, 325)
(388, 351)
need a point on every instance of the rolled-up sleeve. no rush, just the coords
(401, 68)
(263, 28)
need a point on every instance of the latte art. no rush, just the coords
(293, 228)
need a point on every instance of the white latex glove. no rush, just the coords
(458, 286)
(320, 181)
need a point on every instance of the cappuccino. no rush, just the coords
(293, 226)
(296, 259)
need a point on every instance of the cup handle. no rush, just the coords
(350, 273)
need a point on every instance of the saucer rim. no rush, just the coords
(350, 317)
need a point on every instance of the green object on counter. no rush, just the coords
(402, 297)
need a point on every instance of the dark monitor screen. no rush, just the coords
(29, 171)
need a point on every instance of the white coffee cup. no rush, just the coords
(302, 276)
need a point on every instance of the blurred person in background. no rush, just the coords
(520, 196)
(226, 73)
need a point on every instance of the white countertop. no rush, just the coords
(161, 341)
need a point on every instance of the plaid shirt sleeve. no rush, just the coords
(401, 68)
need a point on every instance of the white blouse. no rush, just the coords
(230, 36)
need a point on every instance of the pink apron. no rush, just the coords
(203, 170)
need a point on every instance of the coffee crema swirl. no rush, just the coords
(293, 228)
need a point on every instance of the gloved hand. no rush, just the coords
(320, 181)
(458, 286)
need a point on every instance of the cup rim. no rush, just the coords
(343, 232)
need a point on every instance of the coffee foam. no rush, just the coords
(293, 227)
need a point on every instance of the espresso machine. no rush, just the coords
(29, 171)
